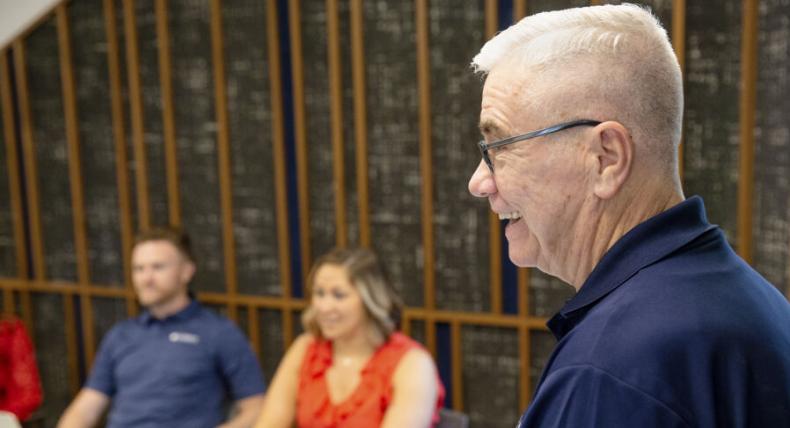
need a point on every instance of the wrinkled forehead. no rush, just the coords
(510, 94)
(556, 88)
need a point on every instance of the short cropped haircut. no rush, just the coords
(613, 60)
(368, 277)
(174, 235)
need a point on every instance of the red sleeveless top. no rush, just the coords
(366, 405)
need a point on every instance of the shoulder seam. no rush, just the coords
(627, 384)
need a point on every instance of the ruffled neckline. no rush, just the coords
(372, 377)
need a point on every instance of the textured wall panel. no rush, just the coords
(710, 151)
(249, 113)
(417, 330)
(541, 343)
(535, 6)
(7, 245)
(49, 134)
(151, 97)
(319, 140)
(660, 8)
(49, 334)
(461, 222)
(490, 364)
(349, 142)
(97, 145)
(772, 145)
(393, 143)
(319, 144)
(107, 311)
(196, 135)
(271, 338)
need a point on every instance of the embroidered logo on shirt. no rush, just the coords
(182, 337)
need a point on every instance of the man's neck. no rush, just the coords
(604, 225)
(171, 307)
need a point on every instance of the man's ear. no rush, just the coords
(187, 272)
(613, 149)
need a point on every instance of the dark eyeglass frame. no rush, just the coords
(484, 148)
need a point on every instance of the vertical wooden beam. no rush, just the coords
(519, 9)
(748, 107)
(14, 178)
(524, 364)
(223, 156)
(275, 88)
(456, 364)
(168, 118)
(495, 229)
(360, 119)
(121, 161)
(405, 324)
(254, 330)
(426, 166)
(31, 177)
(679, 44)
(288, 326)
(70, 328)
(300, 135)
(136, 114)
(14, 182)
(29, 161)
(336, 117)
(75, 178)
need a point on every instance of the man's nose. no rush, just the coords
(482, 184)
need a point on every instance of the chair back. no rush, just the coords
(452, 419)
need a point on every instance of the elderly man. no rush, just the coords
(581, 118)
(175, 364)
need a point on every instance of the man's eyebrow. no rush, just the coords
(489, 127)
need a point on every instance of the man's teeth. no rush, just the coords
(514, 215)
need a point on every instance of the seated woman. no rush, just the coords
(352, 368)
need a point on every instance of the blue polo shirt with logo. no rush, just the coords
(671, 329)
(174, 372)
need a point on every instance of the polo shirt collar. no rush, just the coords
(146, 317)
(645, 244)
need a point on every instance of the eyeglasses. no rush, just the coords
(484, 148)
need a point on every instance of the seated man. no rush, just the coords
(175, 364)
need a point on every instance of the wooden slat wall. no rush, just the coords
(336, 109)
(14, 181)
(748, 105)
(121, 161)
(168, 113)
(29, 234)
(426, 165)
(136, 112)
(223, 155)
(278, 138)
(360, 119)
(679, 44)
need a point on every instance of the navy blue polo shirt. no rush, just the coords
(174, 372)
(671, 329)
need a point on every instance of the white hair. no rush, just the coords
(617, 56)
